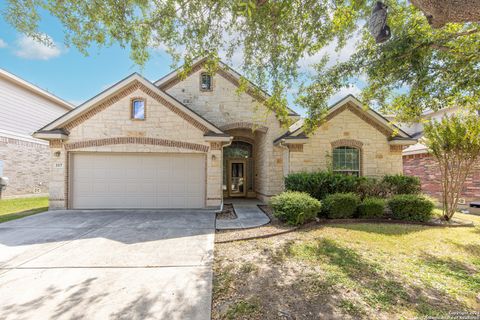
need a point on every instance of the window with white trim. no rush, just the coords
(346, 160)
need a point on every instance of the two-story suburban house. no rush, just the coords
(24, 160)
(188, 142)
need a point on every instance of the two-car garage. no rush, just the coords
(137, 180)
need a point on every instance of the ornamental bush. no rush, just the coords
(411, 207)
(400, 184)
(321, 183)
(371, 208)
(340, 205)
(295, 208)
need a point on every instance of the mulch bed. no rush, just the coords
(276, 227)
(228, 213)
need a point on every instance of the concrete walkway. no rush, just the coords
(118, 264)
(248, 213)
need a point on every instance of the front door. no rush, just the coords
(237, 186)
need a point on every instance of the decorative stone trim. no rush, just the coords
(347, 143)
(295, 147)
(396, 148)
(244, 125)
(55, 143)
(416, 156)
(136, 85)
(23, 143)
(361, 115)
(136, 140)
(216, 146)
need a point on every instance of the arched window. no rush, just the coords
(346, 160)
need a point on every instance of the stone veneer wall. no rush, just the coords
(426, 168)
(225, 108)
(161, 131)
(377, 158)
(26, 164)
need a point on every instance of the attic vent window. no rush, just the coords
(205, 82)
(138, 109)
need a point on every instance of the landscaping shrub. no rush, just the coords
(295, 208)
(411, 207)
(371, 208)
(400, 184)
(370, 187)
(340, 205)
(321, 183)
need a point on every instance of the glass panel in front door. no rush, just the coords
(237, 178)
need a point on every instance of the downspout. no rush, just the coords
(283, 146)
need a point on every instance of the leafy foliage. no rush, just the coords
(295, 208)
(418, 68)
(340, 205)
(400, 184)
(455, 142)
(371, 208)
(411, 207)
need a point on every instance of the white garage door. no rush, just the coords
(113, 180)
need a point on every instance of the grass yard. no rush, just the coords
(350, 271)
(11, 209)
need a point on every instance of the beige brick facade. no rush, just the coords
(108, 127)
(348, 129)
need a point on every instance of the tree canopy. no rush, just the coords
(419, 68)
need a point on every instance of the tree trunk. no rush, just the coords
(440, 12)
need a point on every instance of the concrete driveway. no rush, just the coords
(107, 265)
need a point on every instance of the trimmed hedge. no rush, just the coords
(371, 208)
(323, 183)
(400, 184)
(340, 205)
(411, 207)
(295, 208)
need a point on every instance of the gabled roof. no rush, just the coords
(36, 90)
(225, 70)
(351, 100)
(123, 84)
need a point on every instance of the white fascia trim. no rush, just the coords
(418, 151)
(21, 137)
(173, 74)
(50, 136)
(87, 105)
(218, 139)
(293, 141)
(26, 85)
(402, 142)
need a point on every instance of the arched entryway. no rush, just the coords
(238, 169)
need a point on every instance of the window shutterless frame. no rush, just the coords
(132, 109)
(206, 82)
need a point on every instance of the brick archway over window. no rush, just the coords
(244, 125)
(353, 144)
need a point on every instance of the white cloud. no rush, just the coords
(3, 44)
(352, 89)
(29, 48)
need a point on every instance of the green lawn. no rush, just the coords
(356, 271)
(11, 209)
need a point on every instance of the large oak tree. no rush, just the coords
(418, 68)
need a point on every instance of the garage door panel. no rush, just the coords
(112, 180)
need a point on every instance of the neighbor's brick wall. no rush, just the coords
(426, 168)
(378, 158)
(114, 121)
(224, 107)
(26, 164)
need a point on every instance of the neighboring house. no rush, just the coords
(25, 160)
(418, 162)
(188, 142)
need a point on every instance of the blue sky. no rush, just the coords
(74, 77)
